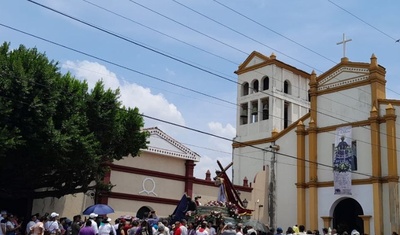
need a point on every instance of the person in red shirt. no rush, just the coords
(177, 230)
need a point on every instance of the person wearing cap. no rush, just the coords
(92, 217)
(106, 228)
(52, 224)
(279, 231)
(228, 229)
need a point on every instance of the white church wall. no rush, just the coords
(344, 106)
(137, 184)
(386, 208)
(248, 161)
(286, 172)
(362, 135)
(66, 206)
(277, 78)
(325, 156)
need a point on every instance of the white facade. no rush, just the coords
(349, 94)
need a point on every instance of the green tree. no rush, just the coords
(56, 137)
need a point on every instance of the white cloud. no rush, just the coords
(222, 153)
(155, 105)
(132, 95)
(216, 128)
(92, 72)
(210, 163)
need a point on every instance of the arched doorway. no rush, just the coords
(143, 212)
(345, 216)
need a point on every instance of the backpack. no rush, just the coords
(46, 230)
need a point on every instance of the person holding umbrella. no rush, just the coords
(106, 228)
(92, 217)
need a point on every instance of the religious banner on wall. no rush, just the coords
(342, 160)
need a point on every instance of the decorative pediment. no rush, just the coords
(253, 59)
(342, 75)
(161, 143)
(257, 60)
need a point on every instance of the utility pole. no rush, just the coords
(272, 188)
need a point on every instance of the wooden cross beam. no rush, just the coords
(223, 170)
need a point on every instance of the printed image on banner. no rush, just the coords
(342, 160)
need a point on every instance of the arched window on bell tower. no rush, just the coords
(255, 86)
(265, 83)
(245, 88)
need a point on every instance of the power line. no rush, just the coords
(195, 30)
(365, 22)
(146, 47)
(244, 35)
(245, 144)
(144, 74)
(118, 65)
(178, 125)
(113, 34)
(133, 42)
(274, 31)
(157, 31)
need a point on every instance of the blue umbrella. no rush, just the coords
(100, 209)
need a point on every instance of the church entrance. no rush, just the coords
(143, 212)
(345, 216)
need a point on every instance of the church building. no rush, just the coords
(329, 141)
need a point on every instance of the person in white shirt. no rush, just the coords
(106, 228)
(52, 224)
(30, 224)
(10, 226)
(184, 230)
(3, 222)
(203, 229)
(211, 229)
(95, 227)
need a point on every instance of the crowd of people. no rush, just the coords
(53, 224)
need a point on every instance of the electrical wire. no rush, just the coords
(129, 69)
(244, 35)
(141, 45)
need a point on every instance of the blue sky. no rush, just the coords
(301, 33)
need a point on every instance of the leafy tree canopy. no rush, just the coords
(55, 135)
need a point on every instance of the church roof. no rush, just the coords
(161, 143)
(257, 60)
